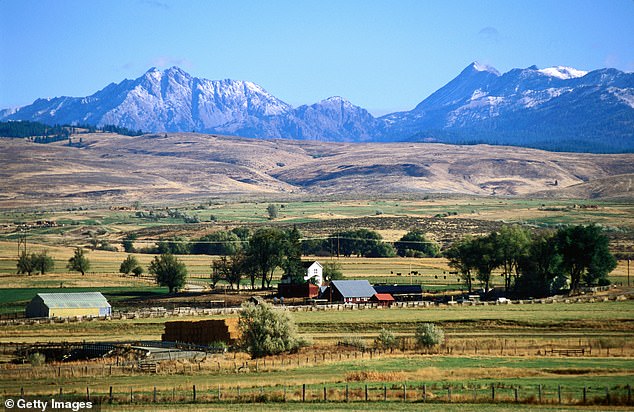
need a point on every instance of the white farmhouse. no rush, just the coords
(314, 272)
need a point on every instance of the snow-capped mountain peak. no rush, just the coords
(563, 72)
(531, 107)
(481, 67)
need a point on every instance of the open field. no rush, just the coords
(503, 345)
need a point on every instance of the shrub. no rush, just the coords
(267, 330)
(429, 335)
(37, 359)
(386, 339)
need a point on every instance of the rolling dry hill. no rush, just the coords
(113, 168)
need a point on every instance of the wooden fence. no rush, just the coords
(496, 392)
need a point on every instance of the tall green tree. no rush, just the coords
(489, 258)
(415, 244)
(230, 269)
(512, 244)
(26, 264)
(463, 256)
(585, 255)
(79, 262)
(169, 271)
(540, 267)
(42, 262)
(292, 260)
(265, 253)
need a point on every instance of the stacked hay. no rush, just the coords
(202, 332)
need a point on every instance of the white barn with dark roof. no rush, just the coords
(48, 305)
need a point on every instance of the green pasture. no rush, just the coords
(15, 299)
(609, 213)
(414, 370)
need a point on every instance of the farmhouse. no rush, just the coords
(310, 289)
(68, 304)
(314, 271)
(349, 291)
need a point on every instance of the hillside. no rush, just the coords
(113, 168)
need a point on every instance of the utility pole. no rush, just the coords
(628, 272)
(21, 244)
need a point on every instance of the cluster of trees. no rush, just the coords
(358, 242)
(535, 264)
(33, 129)
(44, 133)
(368, 243)
(35, 262)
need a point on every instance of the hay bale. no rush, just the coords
(202, 332)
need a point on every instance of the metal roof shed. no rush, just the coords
(351, 291)
(68, 304)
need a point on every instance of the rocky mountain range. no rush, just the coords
(557, 108)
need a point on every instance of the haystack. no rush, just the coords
(202, 332)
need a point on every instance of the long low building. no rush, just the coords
(48, 305)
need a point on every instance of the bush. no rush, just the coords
(429, 335)
(267, 330)
(386, 339)
(354, 342)
(37, 359)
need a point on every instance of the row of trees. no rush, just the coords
(358, 242)
(535, 264)
(41, 262)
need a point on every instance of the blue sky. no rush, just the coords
(383, 55)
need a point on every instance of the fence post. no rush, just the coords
(347, 393)
(284, 393)
(607, 394)
(325, 394)
(404, 392)
(194, 393)
(559, 393)
(424, 392)
(219, 393)
(384, 393)
(585, 397)
(492, 392)
(87, 393)
(629, 393)
(131, 395)
(517, 398)
(303, 392)
(109, 397)
(540, 392)
(154, 395)
(449, 393)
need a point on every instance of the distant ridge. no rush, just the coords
(557, 108)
